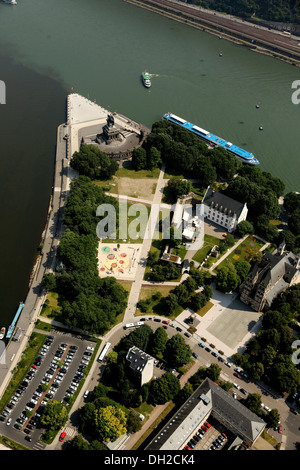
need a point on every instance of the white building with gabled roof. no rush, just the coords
(223, 210)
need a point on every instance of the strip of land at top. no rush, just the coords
(257, 37)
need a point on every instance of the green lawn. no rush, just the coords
(129, 172)
(209, 242)
(51, 308)
(205, 309)
(135, 223)
(155, 306)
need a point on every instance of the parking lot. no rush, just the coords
(56, 374)
(211, 435)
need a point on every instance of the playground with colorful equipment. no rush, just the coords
(120, 260)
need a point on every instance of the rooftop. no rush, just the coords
(207, 397)
(222, 203)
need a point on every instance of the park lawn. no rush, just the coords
(155, 307)
(181, 252)
(126, 284)
(51, 308)
(209, 242)
(135, 223)
(131, 183)
(156, 247)
(205, 309)
(109, 186)
(171, 174)
(129, 172)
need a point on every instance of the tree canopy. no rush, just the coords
(90, 161)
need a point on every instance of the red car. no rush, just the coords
(165, 322)
(224, 435)
(206, 424)
(187, 448)
(204, 428)
(62, 436)
(237, 375)
(280, 429)
(34, 366)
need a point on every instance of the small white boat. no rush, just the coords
(12, 2)
(2, 332)
(146, 78)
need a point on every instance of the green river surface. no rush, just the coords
(100, 48)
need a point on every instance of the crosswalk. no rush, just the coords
(38, 446)
(70, 432)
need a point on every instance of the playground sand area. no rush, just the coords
(118, 260)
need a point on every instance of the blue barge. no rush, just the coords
(212, 140)
(12, 327)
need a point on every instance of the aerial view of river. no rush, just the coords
(100, 48)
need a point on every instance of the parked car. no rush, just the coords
(62, 436)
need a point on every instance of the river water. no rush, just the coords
(100, 48)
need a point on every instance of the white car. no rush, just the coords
(90, 348)
(8, 422)
(236, 386)
(86, 393)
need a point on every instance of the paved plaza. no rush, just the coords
(229, 323)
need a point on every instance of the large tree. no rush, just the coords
(110, 423)
(91, 162)
(227, 278)
(177, 351)
(164, 389)
(54, 416)
(158, 342)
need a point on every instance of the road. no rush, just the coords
(290, 422)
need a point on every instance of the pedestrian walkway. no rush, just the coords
(140, 270)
